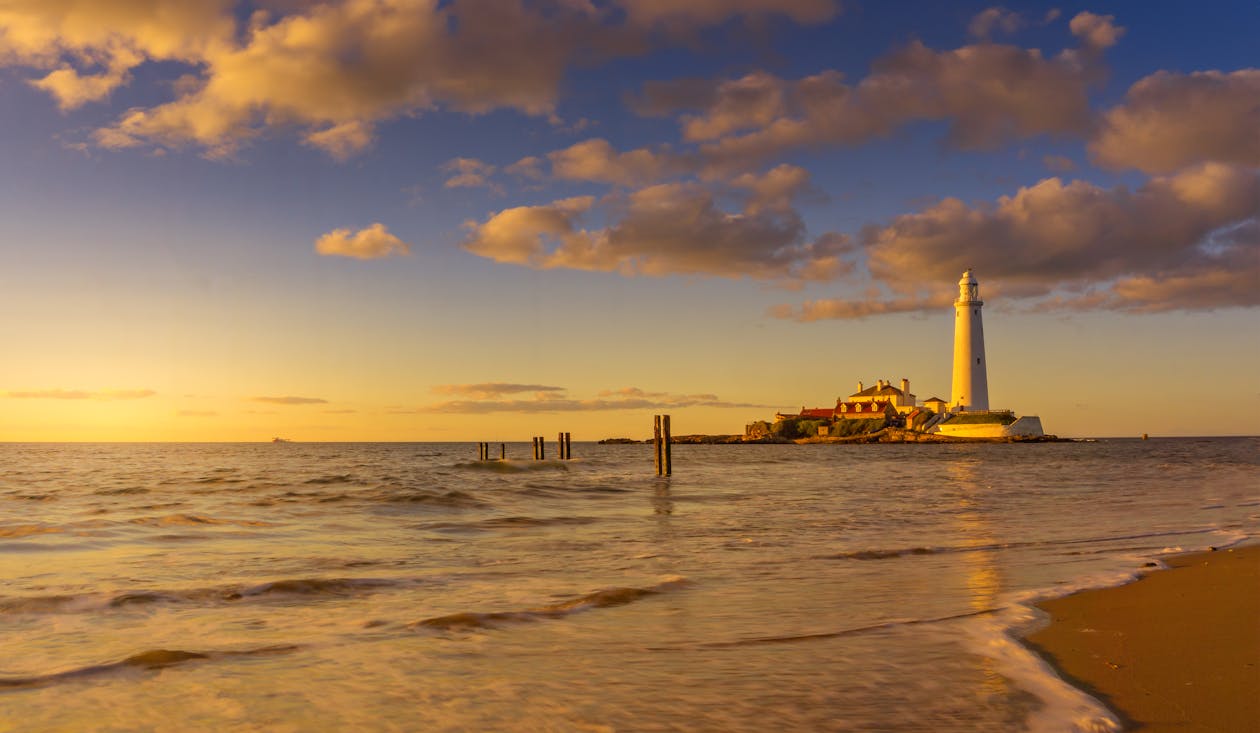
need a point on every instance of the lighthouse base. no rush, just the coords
(1028, 426)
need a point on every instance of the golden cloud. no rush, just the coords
(668, 229)
(1168, 121)
(334, 69)
(371, 243)
(290, 400)
(1183, 242)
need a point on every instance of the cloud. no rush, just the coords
(371, 243)
(110, 37)
(1168, 121)
(668, 229)
(1095, 31)
(995, 18)
(1180, 242)
(493, 389)
(335, 69)
(628, 398)
(290, 400)
(751, 101)
(469, 173)
(342, 141)
(835, 308)
(80, 394)
(988, 94)
(596, 161)
(529, 167)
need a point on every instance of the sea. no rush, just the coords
(412, 587)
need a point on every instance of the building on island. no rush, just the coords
(967, 413)
(878, 400)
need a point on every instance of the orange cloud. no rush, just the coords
(668, 229)
(371, 243)
(492, 389)
(1187, 241)
(988, 93)
(995, 18)
(290, 400)
(469, 173)
(629, 398)
(334, 69)
(1168, 121)
(595, 160)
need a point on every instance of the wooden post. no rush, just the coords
(502, 451)
(542, 448)
(568, 447)
(666, 441)
(560, 446)
(656, 444)
(535, 447)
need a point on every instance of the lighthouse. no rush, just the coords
(971, 381)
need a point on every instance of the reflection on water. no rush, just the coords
(983, 575)
(396, 586)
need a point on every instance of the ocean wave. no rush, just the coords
(513, 466)
(15, 531)
(885, 554)
(337, 478)
(313, 588)
(324, 587)
(193, 520)
(507, 523)
(607, 598)
(448, 499)
(147, 660)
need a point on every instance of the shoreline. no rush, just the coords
(884, 435)
(1176, 649)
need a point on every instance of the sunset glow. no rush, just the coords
(395, 220)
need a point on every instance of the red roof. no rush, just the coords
(817, 412)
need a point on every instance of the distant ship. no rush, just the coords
(281, 440)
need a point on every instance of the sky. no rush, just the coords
(487, 220)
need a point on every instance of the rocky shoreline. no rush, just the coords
(886, 435)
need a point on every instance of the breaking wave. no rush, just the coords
(607, 598)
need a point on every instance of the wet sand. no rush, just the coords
(1178, 650)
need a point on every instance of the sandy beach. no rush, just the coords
(1177, 650)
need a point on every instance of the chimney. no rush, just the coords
(905, 386)
(860, 388)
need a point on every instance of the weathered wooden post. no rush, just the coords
(667, 441)
(535, 439)
(481, 451)
(656, 445)
(502, 451)
(542, 448)
(568, 447)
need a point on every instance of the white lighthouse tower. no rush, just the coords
(971, 381)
